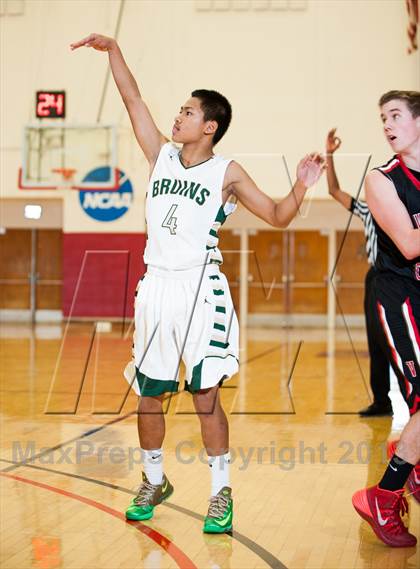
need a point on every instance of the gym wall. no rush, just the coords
(289, 74)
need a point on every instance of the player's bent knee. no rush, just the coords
(205, 400)
(151, 402)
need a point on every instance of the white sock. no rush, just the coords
(220, 467)
(153, 465)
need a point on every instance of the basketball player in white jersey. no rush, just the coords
(183, 307)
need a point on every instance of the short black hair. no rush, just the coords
(215, 108)
(412, 99)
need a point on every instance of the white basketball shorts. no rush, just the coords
(188, 315)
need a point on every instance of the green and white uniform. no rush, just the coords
(183, 306)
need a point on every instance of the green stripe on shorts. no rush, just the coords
(195, 384)
(221, 309)
(216, 344)
(151, 387)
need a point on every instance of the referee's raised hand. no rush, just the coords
(333, 142)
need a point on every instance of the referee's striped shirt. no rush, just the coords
(360, 208)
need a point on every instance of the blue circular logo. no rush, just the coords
(106, 205)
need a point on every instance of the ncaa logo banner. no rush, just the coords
(104, 205)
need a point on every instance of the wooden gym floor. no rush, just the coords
(299, 452)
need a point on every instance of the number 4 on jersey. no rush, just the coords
(170, 220)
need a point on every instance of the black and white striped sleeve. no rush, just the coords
(361, 209)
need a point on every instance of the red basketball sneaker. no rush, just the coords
(382, 509)
(413, 483)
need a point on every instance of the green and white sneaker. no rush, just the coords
(220, 515)
(148, 496)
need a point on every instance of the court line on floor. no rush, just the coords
(65, 443)
(260, 551)
(90, 432)
(180, 558)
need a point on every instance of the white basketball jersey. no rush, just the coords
(184, 211)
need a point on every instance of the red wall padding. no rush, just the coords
(100, 273)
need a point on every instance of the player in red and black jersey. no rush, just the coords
(393, 196)
(391, 257)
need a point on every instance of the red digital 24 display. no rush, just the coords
(50, 104)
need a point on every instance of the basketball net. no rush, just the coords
(64, 178)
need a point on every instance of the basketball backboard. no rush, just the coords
(48, 149)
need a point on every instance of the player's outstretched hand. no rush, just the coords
(101, 43)
(333, 142)
(310, 168)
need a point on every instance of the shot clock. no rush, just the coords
(50, 104)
